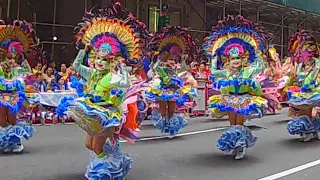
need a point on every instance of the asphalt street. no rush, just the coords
(57, 153)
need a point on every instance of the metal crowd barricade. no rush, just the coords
(45, 107)
(201, 100)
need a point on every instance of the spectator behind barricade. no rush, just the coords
(53, 66)
(49, 77)
(40, 83)
(60, 84)
(202, 72)
(39, 68)
(80, 78)
(63, 72)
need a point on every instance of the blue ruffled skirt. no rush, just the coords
(12, 94)
(247, 105)
(169, 126)
(142, 111)
(303, 125)
(12, 135)
(114, 166)
(303, 99)
(94, 119)
(236, 137)
(175, 91)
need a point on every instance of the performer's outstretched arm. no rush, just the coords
(313, 74)
(25, 67)
(183, 65)
(256, 67)
(218, 74)
(84, 71)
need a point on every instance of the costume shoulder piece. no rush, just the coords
(303, 44)
(233, 37)
(174, 40)
(112, 31)
(16, 38)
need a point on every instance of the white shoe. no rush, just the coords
(18, 149)
(308, 137)
(240, 154)
(316, 135)
(8, 150)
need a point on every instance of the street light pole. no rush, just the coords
(8, 8)
(160, 3)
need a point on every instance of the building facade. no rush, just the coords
(54, 20)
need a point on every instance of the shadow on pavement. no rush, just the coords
(280, 122)
(296, 144)
(67, 177)
(219, 160)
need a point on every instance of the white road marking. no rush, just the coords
(180, 135)
(292, 171)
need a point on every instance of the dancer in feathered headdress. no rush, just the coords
(272, 80)
(113, 41)
(16, 40)
(236, 48)
(304, 51)
(173, 86)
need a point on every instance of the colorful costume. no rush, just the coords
(272, 80)
(304, 50)
(117, 39)
(16, 41)
(236, 48)
(171, 83)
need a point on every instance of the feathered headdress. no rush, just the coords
(112, 31)
(17, 38)
(273, 55)
(303, 44)
(176, 41)
(233, 37)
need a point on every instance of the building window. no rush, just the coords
(154, 13)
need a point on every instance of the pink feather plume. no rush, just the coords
(108, 40)
(305, 55)
(175, 50)
(17, 45)
(237, 46)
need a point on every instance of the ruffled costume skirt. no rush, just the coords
(302, 125)
(236, 137)
(11, 135)
(271, 88)
(178, 90)
(114, 166)
(93, 119)
(246, 104)
(250, 106)
(97, 120)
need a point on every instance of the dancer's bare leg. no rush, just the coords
(171, 108)
(3, 117)
(89, 141)
(239, 119)
(232, 118)
(99, 141)
(12, 118)
(163, 105)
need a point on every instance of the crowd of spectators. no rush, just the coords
(52, 79)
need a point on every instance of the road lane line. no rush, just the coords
(292, 171)
(180, 135)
